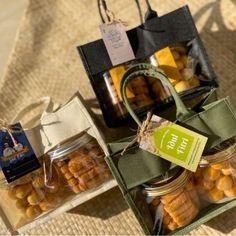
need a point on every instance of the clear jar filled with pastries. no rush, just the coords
(215, 177)
(138, 91)
(172, 200)
(180, 66)
(31, 196)
(80, 161)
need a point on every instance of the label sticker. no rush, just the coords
(17, 157)
(117, 43)
(173, 143)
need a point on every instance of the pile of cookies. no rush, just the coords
(33, 197)
(137, 91)
(184, 64)
(216, 182)
(84, 168)
(179, 207)
(180, 69)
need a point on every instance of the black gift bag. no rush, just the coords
(170, 42)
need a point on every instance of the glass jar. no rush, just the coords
(80, 161)
(179, 66)
(215, 176)
(137, 91)
(173, 200)
(30, 197)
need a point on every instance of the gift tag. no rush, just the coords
(117, 43)
(17, 157)
(173, 142)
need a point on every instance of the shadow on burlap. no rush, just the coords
(45, 62)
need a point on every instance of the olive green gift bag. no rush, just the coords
(146, 179)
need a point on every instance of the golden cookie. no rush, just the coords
(226, 171)
(211, 174)
(230, 192)
(35, 197)
(215, 195)
(21, 203)
(33, 211)
(23, 190)
(38, 182)
(224, 183)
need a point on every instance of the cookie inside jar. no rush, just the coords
(30, 197)
(172, 200)
(80, 161)
(215, 176)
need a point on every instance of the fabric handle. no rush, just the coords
(144, 69)
(49, 106)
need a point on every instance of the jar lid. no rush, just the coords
(69, 145)
(220, 156)
(171, 181)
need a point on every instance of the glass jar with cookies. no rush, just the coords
(172, 199)
(215, 177)
(80, 160)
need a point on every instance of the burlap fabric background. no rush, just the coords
(45, 62)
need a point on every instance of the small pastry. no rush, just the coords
(178, 202)
(224, 183)
(187, 74)
(81, 165)
(182, 86)
(215, 195)
(172, 225)
(77, 154)
(38, 182)
(33, 211)
(166, 218)
(180, 49)
(68, 175)
(170, 197)
(226, 171)
(230, 192)
(50, 202)
(23, 190)
(219, 166)
(179, 64)
(35, 197)
(60, 163)
(176, 55)
(208, 185)
(64, 169)
(21, 203)
(211, 174)
(76, 189)
(72, 182)
(184, 59)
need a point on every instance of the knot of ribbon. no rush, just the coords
(114, 19)
(141, 131)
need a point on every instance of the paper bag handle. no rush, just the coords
(49, 106)
(148, 70)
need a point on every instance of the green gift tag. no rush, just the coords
(173, 142)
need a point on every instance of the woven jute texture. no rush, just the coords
(45, 62)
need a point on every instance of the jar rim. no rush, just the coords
(223, 155)
(69, 145)
(181, 179)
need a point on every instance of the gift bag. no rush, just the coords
(170, 42)
(69, 151)
(164, 197)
